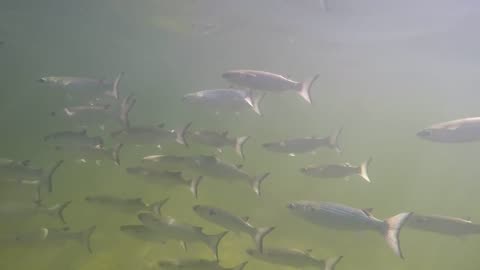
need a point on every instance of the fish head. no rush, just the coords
(43, 80)
(445, 132)
(204, 210)
(300, 207)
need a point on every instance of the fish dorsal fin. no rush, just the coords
(239, 166)
(367, 211)
(246, 218)
(198, 229)
(224, 133)
(161, 125)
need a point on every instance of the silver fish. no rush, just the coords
(266, 81)
(219, 140)
(72, 139)
(21, 172)
(226, 99)
(130, 206)
(74, 82)
(166, 178)
(443, 225)
(343, 217)
(144, 233)
(172, 229)
(304, 145)
(65, 235)
(14, 210)
(114, 92)
(196, 264)
(74, 111)
(456, 131)
(28, 238)
(294, 258)
(233, 223)
(338, 170)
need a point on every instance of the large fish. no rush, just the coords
(219, 140)
(343, 217)
(196, 264)
(233, 223)
(456, 131)
(266, 81)
(338, 170)
(16, 210)
(294, 258)
(304, 145)
(443, 225)
(174, 230)
(226, 99)
(21, 172)
(130, 206)
(167, 179)
(144, 233)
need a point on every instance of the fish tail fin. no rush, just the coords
(260, 233)
(126, 107)
(49, 177)
(363, 170)
(114, 92)
(58, 210)
(257, 182)
(181, 134)
(305, 88)
(85, 237)
(214, 240)
(333, 141)
(157, 206)
(116, 153)
(239, 143)
(331, 263)
(194, 185)
(240, 266)
(392, 229)
(254, 102)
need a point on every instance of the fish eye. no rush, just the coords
(211, 212)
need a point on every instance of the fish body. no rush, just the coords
(156, 135)
(129, 205)
(226, 99)
(180, 231)
(343, 217)
(337, 170)
(143, 233)
(294, 258)
(457, 131)
(62, 236)
(17, 210)
(219, 140)
(74, 82)
(89, 110)
(196, 264)
(232, 223)
(73, 139)
(443, 225)
(304, 145)
(267, 81)
(20, 171)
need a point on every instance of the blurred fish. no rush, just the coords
(293, 258)
(168, 161)
(75, 82)
(219, 140)
(72, 139)
(62, 235)
(343, 217)
(196, 264)
(226, 99)
(304, 145)
(338, 170)
(142, 232)
(181, 231)
(266, 81)
(24, 238)
(167, 179)
(130, 206)
(456, 131)
(443, 225)
(233, 223)
(155, 135)
(15, 210)
(21, 172)
(115, 92)
(86, 109)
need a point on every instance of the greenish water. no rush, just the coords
(386, 71)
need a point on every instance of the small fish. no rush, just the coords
(21, 172)
(443, 225)
(62, 235)
(28, 238)
(293, 258)
(196, 264)
(304, 145)
(86, 109)
(114, 92)
(14, 210)
(219, 140)
(131, 206)
(338, 170)
(233, 223)
(166, 178)
(74, 82)
(343, 217)
(72, 139)
(181, 231)
(456, 131)
(266, 81)
(229, 99)
(142, 232)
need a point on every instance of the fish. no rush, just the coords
(114, 91)
(457, 131)
(172, 229)
(18, 210)
(233, 223)
(166, 178)
(125, 107)
(293, 258)
(65, 235)
(72, 139)
(74, 82)
(86, 109)
(144, 233)
(342, 217)
(219, 140)
(338, 170)
(228, 99)
(196, 264)
(443, 225)
(21, 172)
(304, 145)
(267, 81)
(129, 205)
